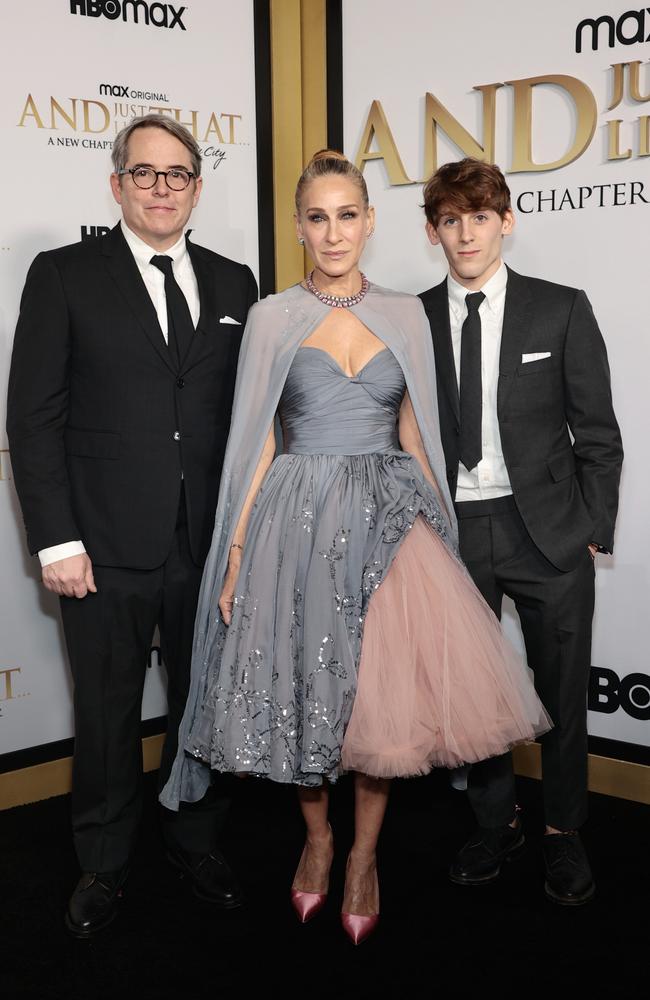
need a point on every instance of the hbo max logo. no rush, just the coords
(608, 692)
(161, 15)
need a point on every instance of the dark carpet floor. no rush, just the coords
(435, 940)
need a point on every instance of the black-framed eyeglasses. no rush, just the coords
(146, 177)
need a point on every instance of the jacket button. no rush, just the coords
(180, 382)
(176, 435)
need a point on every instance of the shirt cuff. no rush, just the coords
(62, 551)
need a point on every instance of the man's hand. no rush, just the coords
(71, 577)
(593, 549)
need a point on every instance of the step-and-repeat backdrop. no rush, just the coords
(73, 73)
(558, 94)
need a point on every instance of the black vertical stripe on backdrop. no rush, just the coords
(334, 63)
(264, 135)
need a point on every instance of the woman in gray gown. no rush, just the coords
(337, 629)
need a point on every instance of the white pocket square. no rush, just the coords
(229, 319)
(525, 358)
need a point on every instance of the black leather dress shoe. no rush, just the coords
(569, 880)
(480, 860)
(211, 877)
(94, 902)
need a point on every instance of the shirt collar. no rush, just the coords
(143, 252)
(494, 291)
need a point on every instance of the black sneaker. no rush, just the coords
(480, 860)
(569, 880)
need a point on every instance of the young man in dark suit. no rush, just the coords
(533, 456)
(120, 392)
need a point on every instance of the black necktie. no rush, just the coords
(180, 328)
(471, 397)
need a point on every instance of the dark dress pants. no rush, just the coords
(109, 636)
(555, 610)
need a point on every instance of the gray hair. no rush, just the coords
(120, 152)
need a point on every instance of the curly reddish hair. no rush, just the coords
(465, 186)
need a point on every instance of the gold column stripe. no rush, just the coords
(313, 29)
(299, 102)
(286, 87)
(313, 44)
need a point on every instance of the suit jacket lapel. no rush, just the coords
(515, 327)
(124, 271)
(436, 304)
(206, 280)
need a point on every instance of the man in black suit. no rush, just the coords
(533, 456)
(120, 392)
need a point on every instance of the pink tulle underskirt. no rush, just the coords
(439, 684)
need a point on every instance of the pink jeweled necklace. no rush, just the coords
(337, 301)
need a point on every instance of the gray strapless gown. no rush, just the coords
(289, 690)
(332, 511)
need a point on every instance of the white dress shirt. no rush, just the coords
(154, 281)
(489, 478)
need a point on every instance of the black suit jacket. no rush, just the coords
(100, 421)
(566, 491)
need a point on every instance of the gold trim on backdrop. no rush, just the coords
(620, 778)
(43, 781)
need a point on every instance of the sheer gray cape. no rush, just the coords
(276, 328)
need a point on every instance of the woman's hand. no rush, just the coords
(228, 593)
(227, 598)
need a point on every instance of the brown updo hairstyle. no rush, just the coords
(326, 162)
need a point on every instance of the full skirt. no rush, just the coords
(358, 640)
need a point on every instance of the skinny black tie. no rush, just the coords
(471, 399)
(180, 328)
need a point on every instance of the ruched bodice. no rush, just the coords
(326, 412)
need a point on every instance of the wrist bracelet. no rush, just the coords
(236, 545)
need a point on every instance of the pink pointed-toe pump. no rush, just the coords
(307, 904)
(357, 926)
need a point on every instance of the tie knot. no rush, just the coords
(472, 301)
(164, 264)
